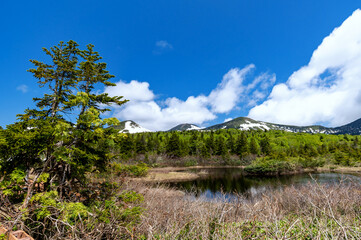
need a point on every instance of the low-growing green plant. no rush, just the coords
(138, 170)
(311, 162)
(12, 185)
(190, 162)
(264, 166)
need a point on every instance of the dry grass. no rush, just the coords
(340, 169)
(310, 212)
(177, 174)
(169, 176)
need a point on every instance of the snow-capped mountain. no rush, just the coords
(185, 127)
(353, 128)
(130, 126)
(244, 123)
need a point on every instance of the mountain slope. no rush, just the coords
(353, 128)
(185, 127)
(244, 123)
(130, 126)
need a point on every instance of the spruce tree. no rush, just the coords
(173, 147)
(221, 148)
(45, 144)
(193, 143)
(210, 143)
(242, 145)
(253, 146)
(265, 145)
(141, 144)
(230, 144)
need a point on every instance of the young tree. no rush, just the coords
(193, 143)
(230, 144)
(253, 146)
(210, 143)
(221, 148)
(265, 145)
(141, 144)
(173, 147)
(46, 146)
(242, 145)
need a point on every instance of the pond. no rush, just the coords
(229, 182)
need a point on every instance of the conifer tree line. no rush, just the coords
(244, 146)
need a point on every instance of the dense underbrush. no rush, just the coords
(105, 209)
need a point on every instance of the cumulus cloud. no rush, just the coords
(134, 91)
(151, 115)
(327, 89)
(144, 108)
(227, 94)
(22, 88)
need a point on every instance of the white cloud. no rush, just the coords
(327, 89)
(145, 110)
(265, 80)
(134, 91)
(22, 88)
(162, 46)
(150, 115)
(227, 94)
(228, 119)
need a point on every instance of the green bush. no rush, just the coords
(121, 210)
(48, 204)
(190, 162)
(311, 162)
(138, 170)
(270, 166)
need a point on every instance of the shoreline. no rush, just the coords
(179, 174)
(340, 169)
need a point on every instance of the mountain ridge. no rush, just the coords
(185, 127)
(245, 124)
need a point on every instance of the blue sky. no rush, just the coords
(186, 57)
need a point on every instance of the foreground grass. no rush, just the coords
(310, 212)
(140, 210)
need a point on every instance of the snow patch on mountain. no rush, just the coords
(193, 127)
(132, 127)
(249, 125)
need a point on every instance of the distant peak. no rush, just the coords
(129, 126)
(185, 127)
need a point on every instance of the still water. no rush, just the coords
(229, 182)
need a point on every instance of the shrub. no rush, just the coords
(270, 166)
(190, 162)
(311, 162)
(138, 170)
